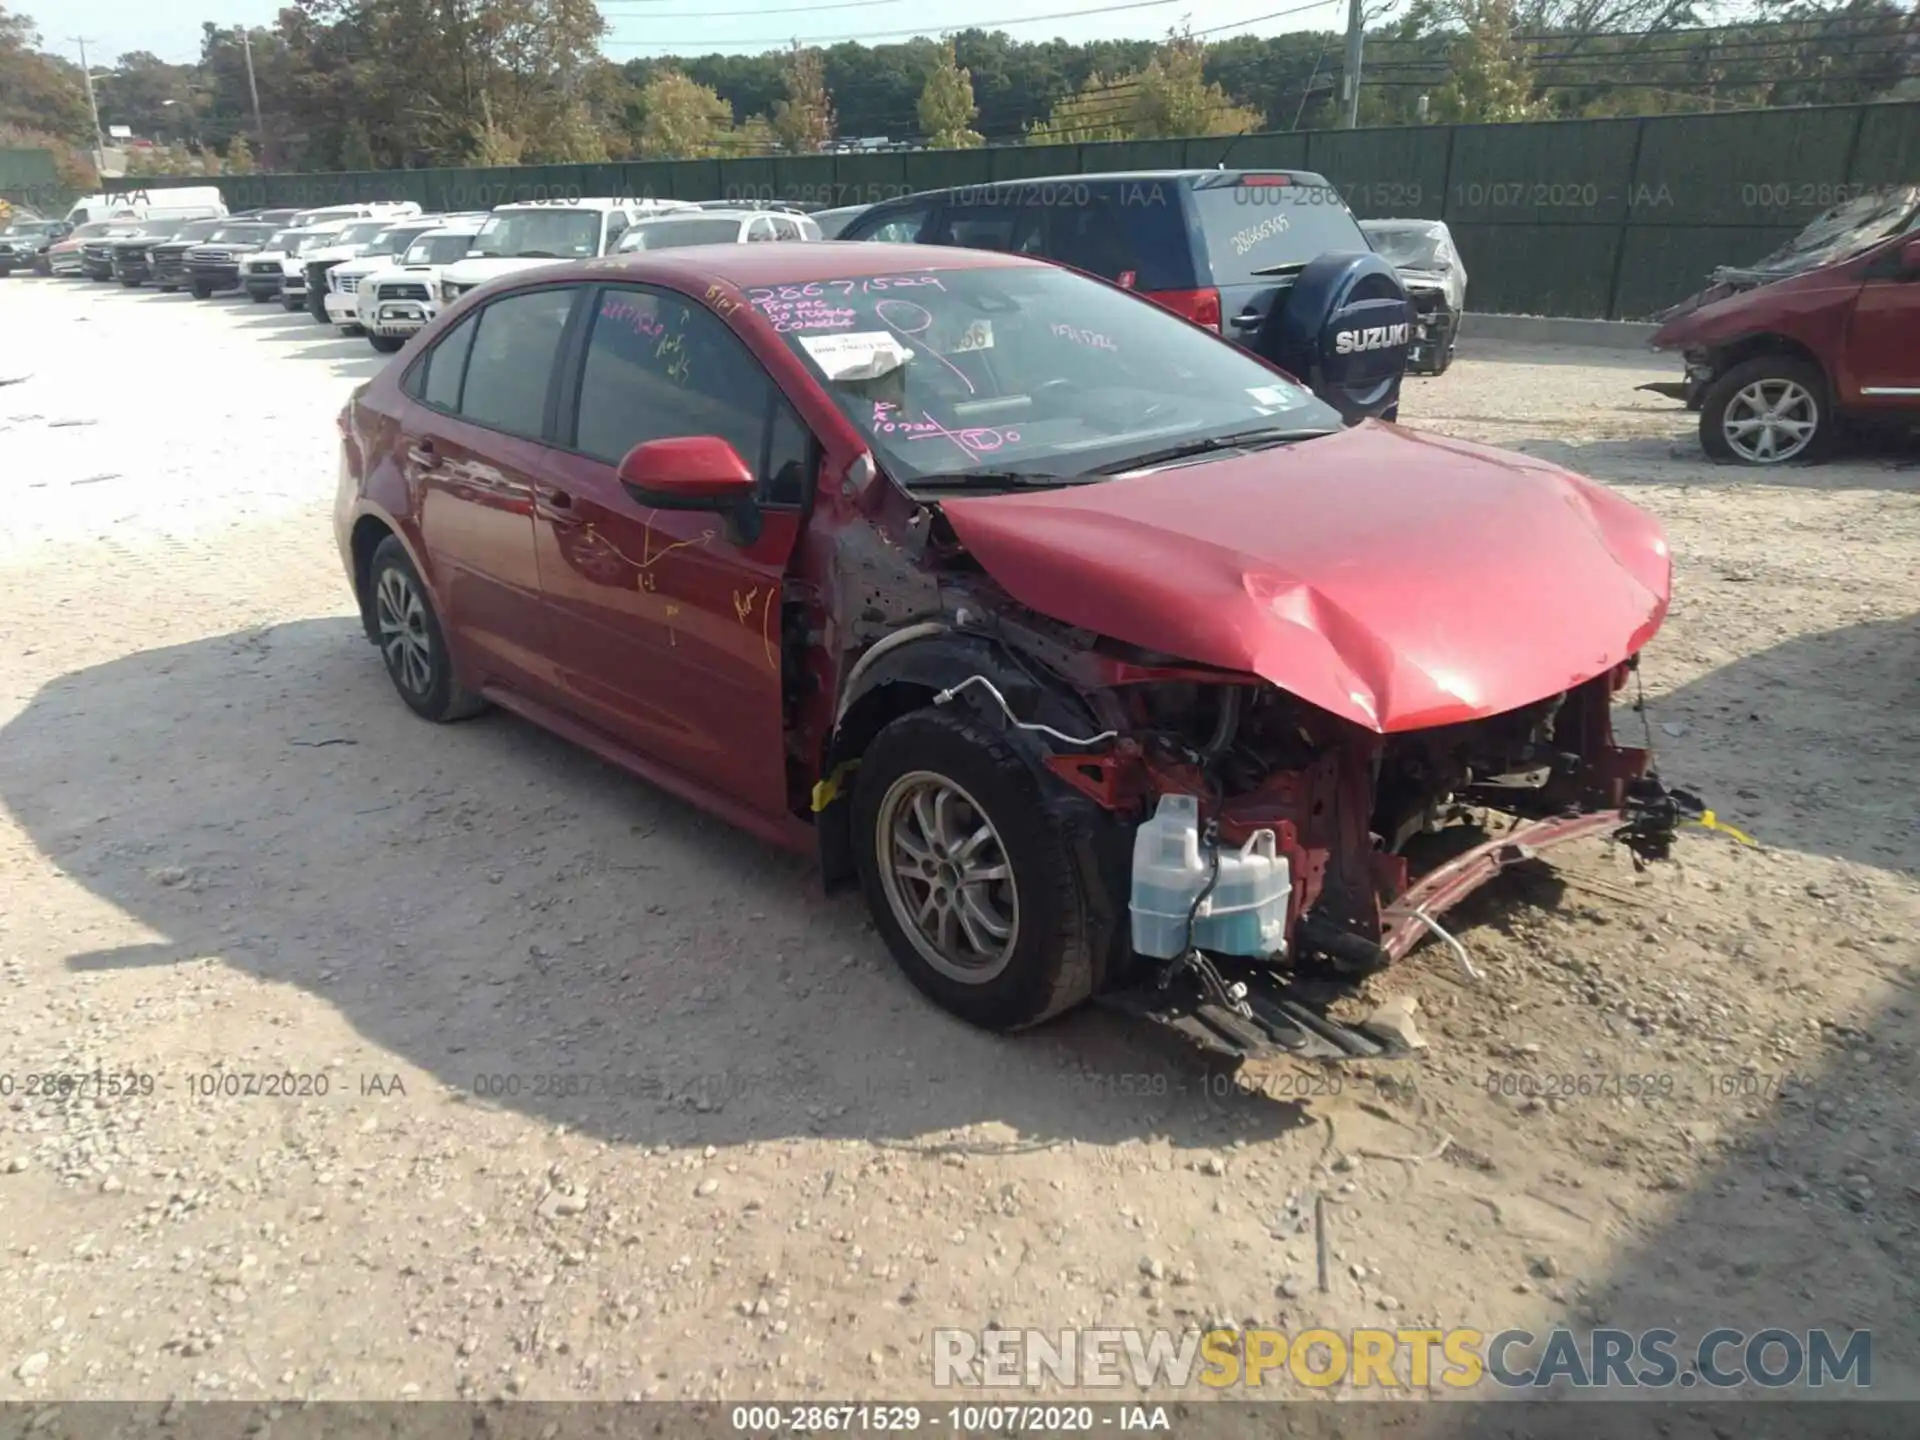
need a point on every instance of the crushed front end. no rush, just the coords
(1373, 837)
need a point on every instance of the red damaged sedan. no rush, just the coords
(1101, 653)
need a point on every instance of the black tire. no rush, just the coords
(290, 304)
(202, 292)
(257, 297)
(317, 304)
(1443, 360)
(1056, 960)
(387, 344)
(438, 696)
(1731, 392)
(166, 289)
(5, 271)
(129, 284)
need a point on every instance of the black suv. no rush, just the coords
(136, 257)
(1272, 259)
(214, 265)
(24, 243)
(100, 259)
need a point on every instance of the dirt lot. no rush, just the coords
(737, 1155)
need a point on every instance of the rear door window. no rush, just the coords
(1256, 227)
(1132, 232)
(996, 225)
(511, 366)
(895, 227)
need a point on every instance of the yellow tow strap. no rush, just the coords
(1710, 821)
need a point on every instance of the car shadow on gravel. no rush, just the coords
(1809, 745)
(1870, 462)
(1798, 1219)
(510, 915)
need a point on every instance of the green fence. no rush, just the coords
(27, 177)
(1591, 218)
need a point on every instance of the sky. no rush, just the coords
(171, 28)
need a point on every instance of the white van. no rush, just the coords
(188, 202)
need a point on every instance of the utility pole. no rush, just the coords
(86, 71)
(1356, 38)
(253, 89)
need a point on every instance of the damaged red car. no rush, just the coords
(1102, 656)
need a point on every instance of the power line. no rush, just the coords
(983, 25)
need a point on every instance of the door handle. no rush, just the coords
(555, 505)
(1247, 319)
(424, 455)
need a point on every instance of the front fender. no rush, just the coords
(902, 673)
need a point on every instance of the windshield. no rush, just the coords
(545, 233)
(1256, 227)
(283, 240)
(317, 240)
(437, 250)
(395, 240)
(1416, 244)
(949, 373)
(240, 234)
(667, 234)
(196, 230)
(159, 229)
(91, 229)
(29, 227)
(363, 232)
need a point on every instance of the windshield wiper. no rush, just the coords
(973, 479)
(1238, 440)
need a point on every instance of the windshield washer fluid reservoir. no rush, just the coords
(1244, 914)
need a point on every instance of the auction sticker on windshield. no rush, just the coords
(855, 355)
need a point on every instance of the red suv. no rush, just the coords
(1776, 371)
(950, 567)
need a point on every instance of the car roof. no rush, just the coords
(745, 265)
(1297, 177)
(684, 217)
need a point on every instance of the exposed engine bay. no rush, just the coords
(1375, 836)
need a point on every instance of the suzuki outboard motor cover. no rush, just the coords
(1344, 329)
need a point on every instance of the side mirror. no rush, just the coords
(688, 472)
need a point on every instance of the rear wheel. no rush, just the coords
(411, 642)
(386, 344)
(970, 876)
(1771, 410)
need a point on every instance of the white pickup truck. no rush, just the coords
(342, 295)
(517, 237)
(396, 301)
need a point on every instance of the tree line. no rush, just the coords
(383, 84)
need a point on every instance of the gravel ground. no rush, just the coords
(736, 1155)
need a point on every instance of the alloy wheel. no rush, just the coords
(947, 877)
(1770, 421)
(405, 644)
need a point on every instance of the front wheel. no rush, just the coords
(129, 284)
(291, 303)
(411, 641)
(1771, 410)
(386, 344)
(970, 876)
(258, 297)
(202, 292)
(166, 289)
